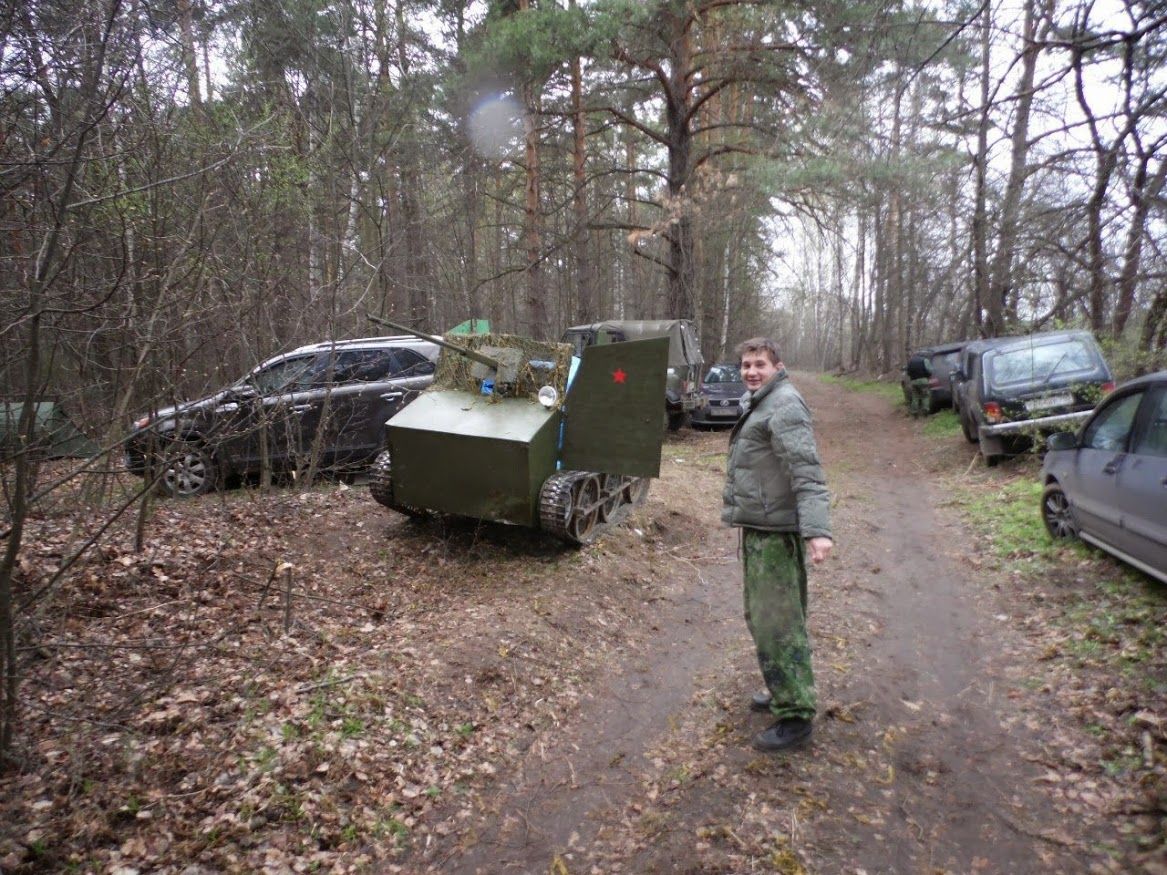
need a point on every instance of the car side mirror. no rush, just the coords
(1062, 440)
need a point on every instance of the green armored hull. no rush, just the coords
(502, 436)
(494, 455)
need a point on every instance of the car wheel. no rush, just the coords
(188, 469)
(1056, 513)
(677, 421)
(970, 434)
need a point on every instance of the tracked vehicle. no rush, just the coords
(518, 431)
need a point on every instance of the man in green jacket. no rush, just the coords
(776, 493)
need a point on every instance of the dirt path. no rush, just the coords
(935, 686)
(571, 780)
(921, 762)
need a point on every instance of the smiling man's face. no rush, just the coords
(757, 369)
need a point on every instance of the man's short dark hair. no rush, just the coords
(759, 344)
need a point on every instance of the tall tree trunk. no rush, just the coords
(678, 112)
(537, 323)
(418, 292)
(1105, 162)
(980, 220)
(1145, 190)
(189, 52)
(633, 278)
(1001, 285)
(1154, 335)
(587, 309)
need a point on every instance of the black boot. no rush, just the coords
(786, 734)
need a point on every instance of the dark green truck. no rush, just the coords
(685, 362)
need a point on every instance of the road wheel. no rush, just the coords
(188, 469)
(612, 488)
(1056, 514)
(677, 421)
(636, 492)
(585, 509)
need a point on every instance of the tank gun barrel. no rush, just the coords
(461, 350)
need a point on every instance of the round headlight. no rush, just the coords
(548, 396)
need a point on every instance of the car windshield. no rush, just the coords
(578, 340)
(723, 374)
(1040, 364)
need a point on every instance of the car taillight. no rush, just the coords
(1108, 387)
(993, 411)
(143, 422)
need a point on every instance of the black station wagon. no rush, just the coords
(1028, 386)
(328, 400)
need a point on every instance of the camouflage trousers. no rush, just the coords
(774, 574)
(918, 398)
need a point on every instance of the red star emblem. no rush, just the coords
(618, 375)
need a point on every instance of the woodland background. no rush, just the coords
(189, 186)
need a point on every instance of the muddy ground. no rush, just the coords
(305, 682)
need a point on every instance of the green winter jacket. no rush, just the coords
(774, 480)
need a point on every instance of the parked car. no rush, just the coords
(722, 389)
(683, 376)
(1108, 484)
(1028, 386)
(329, 398)
(958, 378)
(942, 361)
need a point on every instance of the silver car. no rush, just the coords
(1107, 484)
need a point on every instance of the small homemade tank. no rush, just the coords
(500, 435)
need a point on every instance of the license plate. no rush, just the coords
(1063, 400)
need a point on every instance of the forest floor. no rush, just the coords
(303, 681)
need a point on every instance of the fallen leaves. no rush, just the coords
(172, 720)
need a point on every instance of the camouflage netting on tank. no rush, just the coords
(457, 371)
